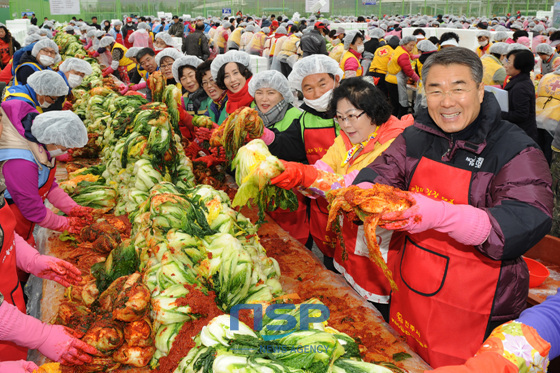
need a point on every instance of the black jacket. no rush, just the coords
(372, 45)
(196, 44)
(176, 29)
(25, 71)
(521, 100)
(313, 43)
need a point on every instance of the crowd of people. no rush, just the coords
(339, 107)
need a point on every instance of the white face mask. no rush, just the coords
(74, 80)
(158, 48)
(46, 60)
(360, 48)
(320, 104)
(57, 152)
(483, 43)
(45, 104)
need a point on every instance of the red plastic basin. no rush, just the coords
(537, 272)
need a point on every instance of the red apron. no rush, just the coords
(446, 289)
(364, 275)
(25, 227)
(317, 141)
(296, 223)
(9, 284)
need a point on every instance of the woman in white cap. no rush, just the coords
(217, 107)
(43, 55)
(195, 99)
(494, 71)
(483, 42)
(29, 168)
(354, 47)
(163, 40)
(282, 134)
(399, 70)
(137, 74)
(165, 60)
(73, 70)
(222, 35)
(119, 64)
(116, 32)
(247, 36)
(43, 88)
(141, 37)
(550, 60)
(316, 76)
(231, 72)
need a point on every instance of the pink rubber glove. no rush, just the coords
(136, 87)
(56, 342)
(123, 90)
(107, 71)
(464, 223)
(47, 267)
(61, 200)
(95, 54)
(67, 157)
(268, 136)
(55, 222)
(19, 366)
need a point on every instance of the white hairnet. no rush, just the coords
(90, 33)
(250, 28)
(266, 30)
(271, 79)
(191, 61)
(230, 56)
(30, 39)
(106, 41)
(46, 43)
(281, 30)
(407, 39)
(544, 49)
(84, 27)
(516, 47)
(376, 33)
(168, 52)
(60, 128)
(227, 24)
(143, 26)
(314, 64)
(99, 33)
(499, 48)
(500, 36)
(538, 28)
(483, 33)
(75, 64)
(349, 37)
(69, 28)
(426, 46)
(48, 83)
(132, 52)
(117, 23)
(48, 24)
(32, 30)
(167, 39)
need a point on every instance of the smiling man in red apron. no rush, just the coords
(482, 192)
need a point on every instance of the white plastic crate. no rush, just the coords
(258, 64)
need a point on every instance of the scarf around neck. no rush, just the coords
(239, 99)
(275, 114)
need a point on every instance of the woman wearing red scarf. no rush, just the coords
(231, 72)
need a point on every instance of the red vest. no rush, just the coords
(10, 286)
(446, 289)
(25, 227)
(296, 223)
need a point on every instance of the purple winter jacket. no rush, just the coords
(510, 180)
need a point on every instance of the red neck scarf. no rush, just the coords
(239, 99)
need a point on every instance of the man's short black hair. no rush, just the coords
(279, 19)
(524, 60)
(175, 17)
(419, 31)
(448, 35)
(199, 27)
(434, 40)
(519, 33)
(272, 16)
(144, 51)
(94, 17)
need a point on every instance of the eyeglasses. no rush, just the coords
(166, 66)
(206, 83)
(53, 99)
(351, 118)
(49, 52)
(457, 94)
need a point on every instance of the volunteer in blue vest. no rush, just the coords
(27, 152)
(482, 197)
(42, 90)
(282, 134)
(195, 99)
(351, 59)
(316, 76)
(43, 55)
(73, 70)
